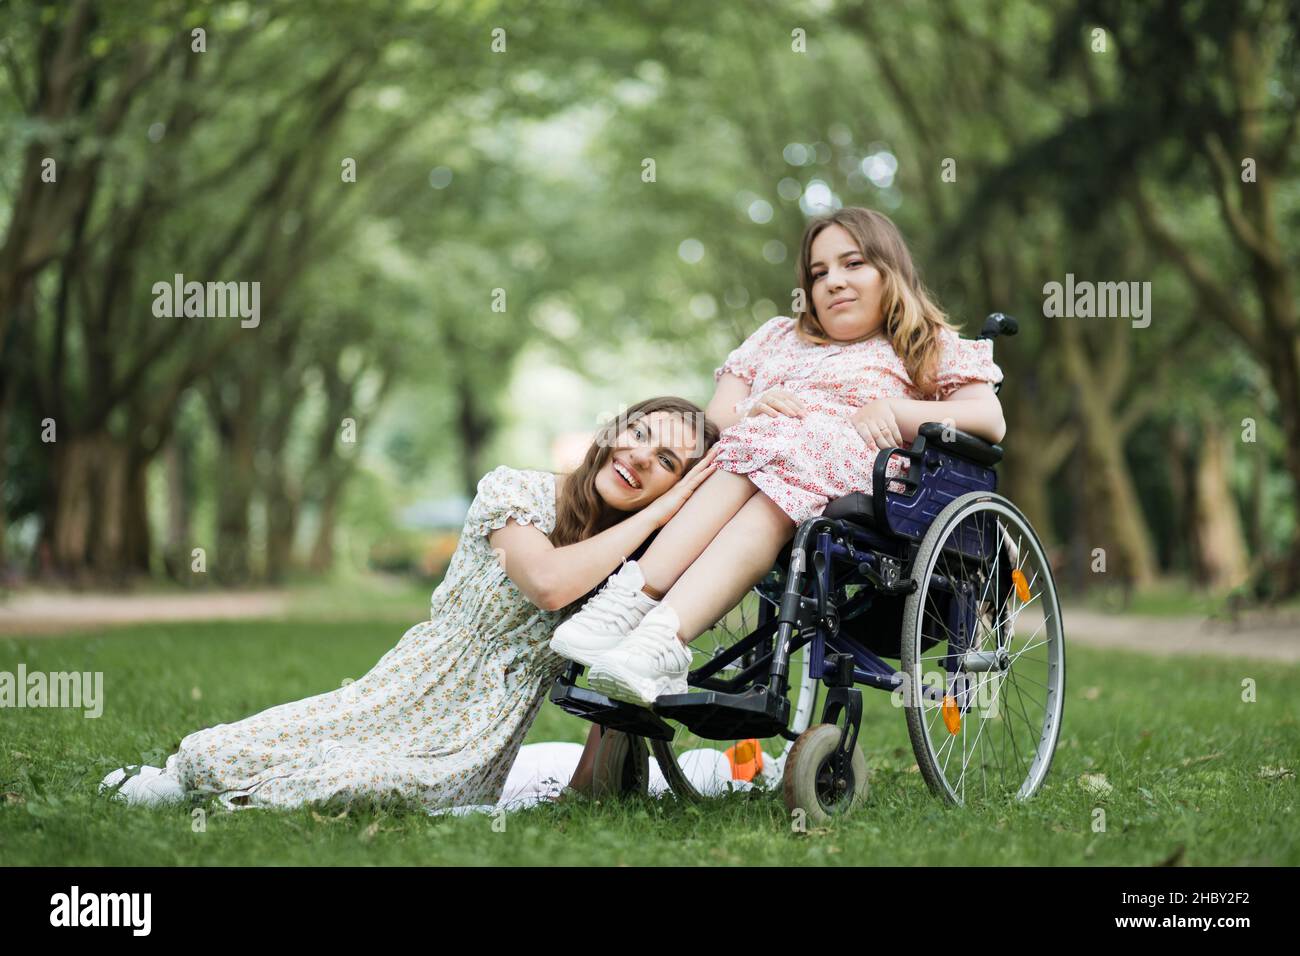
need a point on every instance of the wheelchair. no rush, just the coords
(933, 569)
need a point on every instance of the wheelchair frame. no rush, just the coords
(884, 560)
(876, 537)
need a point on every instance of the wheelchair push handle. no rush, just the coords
(998, 323)
(995, 324)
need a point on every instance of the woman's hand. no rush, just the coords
(875, 421)
(776, 401)
(666, 505)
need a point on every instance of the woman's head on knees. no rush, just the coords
(633, 460)
(858, 280)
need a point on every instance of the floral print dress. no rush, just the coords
(803, 463)
(438, 721)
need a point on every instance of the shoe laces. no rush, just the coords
(666, 654)
(616, 603)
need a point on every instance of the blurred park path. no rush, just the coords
(45, 613)
(1275, 637)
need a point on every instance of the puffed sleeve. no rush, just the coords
(744, 360)
(506, 493)
(963, 361)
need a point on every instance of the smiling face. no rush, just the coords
(648, 457)
(846, 289)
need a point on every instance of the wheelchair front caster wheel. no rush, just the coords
(810, 781)
(622, 765)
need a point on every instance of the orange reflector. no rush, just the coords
(951, 715)
(746, 759)
(1022, 586)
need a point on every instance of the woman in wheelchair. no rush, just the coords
(805, 404)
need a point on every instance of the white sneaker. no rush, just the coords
(150, 787)
(651, 662)
(112, 780)
(117, 776)
(606, 619)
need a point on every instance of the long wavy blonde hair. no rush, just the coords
(913, 320)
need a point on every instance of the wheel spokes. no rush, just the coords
(1021, 694)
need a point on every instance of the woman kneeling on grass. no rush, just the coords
(439, 720)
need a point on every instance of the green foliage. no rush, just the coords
(523, 172)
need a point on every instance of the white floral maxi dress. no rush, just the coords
(438, 721)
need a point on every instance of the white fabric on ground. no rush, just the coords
(542, 771)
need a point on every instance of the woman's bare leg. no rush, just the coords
(735, 560)
(684, 538)
(583, 775)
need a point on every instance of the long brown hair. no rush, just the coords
(580, 511)
(913, 320)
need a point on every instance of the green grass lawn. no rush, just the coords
(1171, 597)
(1183, 754)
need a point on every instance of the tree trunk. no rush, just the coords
(134, 557)
(234, 496)
(82, 516)
(1260, 547)
(474, 424)
(281, 526)
(1082, 528)
(7, 389)
(1028, 474)
(1113, 502)
(322, 552)
(1184, 551)
(1251, 59)
(179, 464)
(1222, 547)
(1285, 377)
(1125, 537)
(236, 428)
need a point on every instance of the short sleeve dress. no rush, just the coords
(803, 463)
(438, 721)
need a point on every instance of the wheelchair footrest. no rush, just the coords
(614, 714)
(714, 715)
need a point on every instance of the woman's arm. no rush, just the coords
(722, 407)
(554, 577)
(972, 408)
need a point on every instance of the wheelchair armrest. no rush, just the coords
(963, 444)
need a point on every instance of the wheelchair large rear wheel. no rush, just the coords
(697, 768)
(985, 689)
